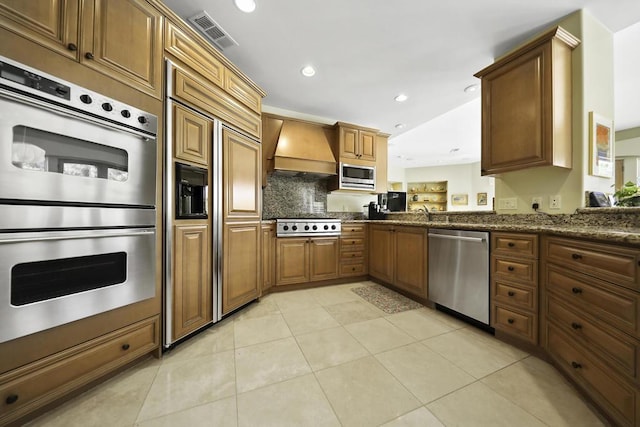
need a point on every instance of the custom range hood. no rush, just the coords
(298, 148)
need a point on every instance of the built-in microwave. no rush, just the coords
(357, 177)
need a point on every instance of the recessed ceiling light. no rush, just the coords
(454, 150)
(401, 98)
(400, 126)
(246, 6)
(471, 88)
(308, 71)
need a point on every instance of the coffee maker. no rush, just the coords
(382, 201)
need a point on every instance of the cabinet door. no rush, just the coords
(123, 39)
(514, 133)
(367, 141)
(324, 258)
(292, 261)
(192, 302)
(53, 24)
(268, 255)
(191, 135)
(242, 268)
(349, 143)
(241, 177)
(410, 259)
(381, 251)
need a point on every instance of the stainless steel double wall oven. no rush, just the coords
(77, 202)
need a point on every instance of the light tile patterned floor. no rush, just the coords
(326, 357)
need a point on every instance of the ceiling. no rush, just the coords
(368, 51)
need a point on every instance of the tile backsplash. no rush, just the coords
(294, 196)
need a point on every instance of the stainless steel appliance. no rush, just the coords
(396, 201)
(459, 271)
(357, 177)
(209, 195)
(77, 202)
(308, 227)
(192, 189)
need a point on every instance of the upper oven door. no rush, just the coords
(48, 156)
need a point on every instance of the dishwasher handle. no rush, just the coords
(462, 238)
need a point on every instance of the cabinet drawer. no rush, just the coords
(610, 345)
(608, 262)
(519, 270)
(351, 243)
(515, 244)
(616, 395)
(44, 381)
(520, 324)
(615, 305)
(347, 255)
(521, 296)
(355, 269)
(353, 228)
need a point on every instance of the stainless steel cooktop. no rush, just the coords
(307, 227)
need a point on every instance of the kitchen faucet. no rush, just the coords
(426, 212)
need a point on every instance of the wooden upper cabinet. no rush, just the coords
(358, 145)
(526, 106)
(192, 135)
(52, 24)
(123, 39)
(382, 157)
(241, 177)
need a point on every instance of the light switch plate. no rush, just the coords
(508, 203)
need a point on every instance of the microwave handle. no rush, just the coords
(68, 235)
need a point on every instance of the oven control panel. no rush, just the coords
(41, 87)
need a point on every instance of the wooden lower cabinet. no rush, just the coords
(302, 260)
(398, 256)
(192, 299)
(32, 386)
(353, 250)
(268, 257)
(242, 268)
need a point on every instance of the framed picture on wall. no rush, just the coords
(459, 199)
(482, 199)
(600, 146)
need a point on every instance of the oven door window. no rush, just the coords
(43, 280)
(38, 150)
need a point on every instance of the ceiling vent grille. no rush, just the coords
(212, 31)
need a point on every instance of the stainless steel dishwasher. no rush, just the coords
(459, 271)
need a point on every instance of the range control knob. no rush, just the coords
(315, 227)
(294, 228)
(107, 107)
(142, 120)
(86, 99)
(306, 228)
(333, 227)
(285, 228)
(125, 113)
(326, 227)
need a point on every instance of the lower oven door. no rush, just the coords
(51, 278)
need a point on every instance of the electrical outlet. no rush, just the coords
(538, 200)
(555, 202)
(508, 203)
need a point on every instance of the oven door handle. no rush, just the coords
(75, 234)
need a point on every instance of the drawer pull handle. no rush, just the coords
(88, 55)
(576, 365)
(576, 256)
(511, 244)
(72, 47)
(576, 326)
(353, 269)
(510, 268)
(125, 346)
(511, 293)
(510, 321)
(12, 398)
(576, 290)
(353, 255)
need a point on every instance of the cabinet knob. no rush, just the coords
(12, 398)
(576, 326)
(353, 269)
(353, 255)
(576, 365)
(511, 244)
(576, 256)
(576, 290)
(510, 321)
(511, 293)
(510, 268)
(72, 47)
(125, 346)
(88, 55)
